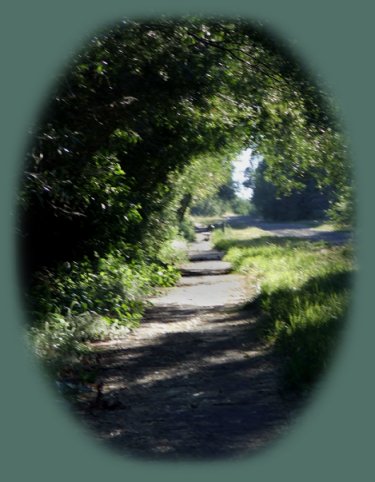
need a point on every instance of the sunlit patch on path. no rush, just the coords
(193, 382)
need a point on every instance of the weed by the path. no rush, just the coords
(304, 292)
(91, 300)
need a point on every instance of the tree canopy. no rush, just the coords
(150, 114)
(306, 202)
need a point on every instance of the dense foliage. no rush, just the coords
(147, 101)
(224, 200)
(90, 300)
(306, 202)
(146, 119)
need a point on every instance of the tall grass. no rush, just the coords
(303, 292)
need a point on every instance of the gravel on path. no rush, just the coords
(193, 382)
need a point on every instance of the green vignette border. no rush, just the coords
(39, 436)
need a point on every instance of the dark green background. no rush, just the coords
(333, 439)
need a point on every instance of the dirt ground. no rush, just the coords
(193, 381)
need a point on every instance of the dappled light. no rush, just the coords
(185, 235)
(197, 392)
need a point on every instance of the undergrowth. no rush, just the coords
(92, 300)
(186, 229)
(303, 294)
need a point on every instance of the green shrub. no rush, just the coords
(212, 206)
(241, 206)
(90, 300)
(342, 212)
(187, 230)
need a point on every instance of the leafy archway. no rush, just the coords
(147, 115)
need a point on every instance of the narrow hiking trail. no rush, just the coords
(193, 381)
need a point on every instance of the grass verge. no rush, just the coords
(303, 294)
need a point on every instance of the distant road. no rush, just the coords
(289, 229)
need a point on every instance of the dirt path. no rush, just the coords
(193, 382)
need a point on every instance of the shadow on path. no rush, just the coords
(193, 382)
(203, 388)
